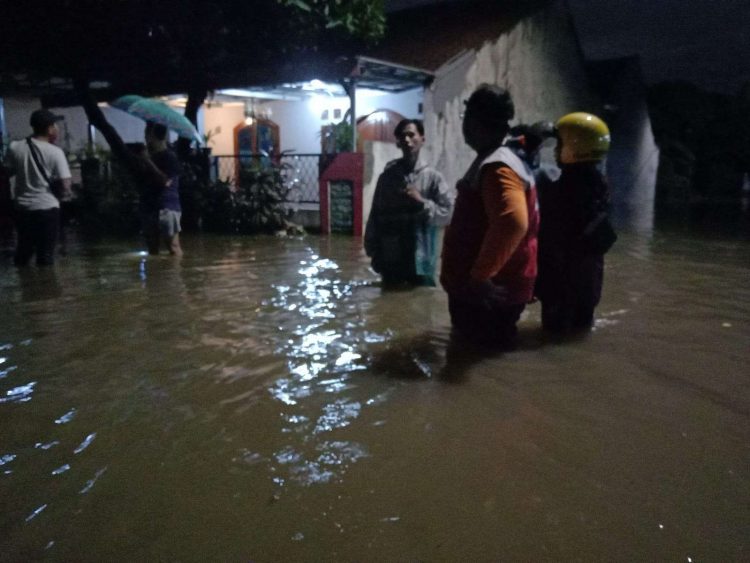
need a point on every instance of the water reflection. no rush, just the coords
(39, 284)
(267, 393)
(322, 358)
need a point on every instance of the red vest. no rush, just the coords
(465, 234)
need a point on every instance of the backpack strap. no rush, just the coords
(37, 160)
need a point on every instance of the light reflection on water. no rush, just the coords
(263, 399)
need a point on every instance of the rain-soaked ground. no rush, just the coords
(263, 400)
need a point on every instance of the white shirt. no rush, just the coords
(31, 190)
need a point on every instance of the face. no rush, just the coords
(410, 140)
(476, 134)
(53, 132)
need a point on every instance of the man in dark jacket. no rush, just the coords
(575, 232)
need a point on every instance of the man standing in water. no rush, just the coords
(412, 201)
(39, 167)
(575, 232)
(489, 252)
(160, 200)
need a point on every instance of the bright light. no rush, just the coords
(379, 117)
(368, 93)
(318, 104)
(248, 121)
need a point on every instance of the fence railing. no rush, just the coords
(300, 172)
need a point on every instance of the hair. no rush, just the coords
(41, 129)
(534, 135)
(493, 105)
(404, 123)
(158, 130)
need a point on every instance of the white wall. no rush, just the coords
(405, 103)
(538, 61)
(633, 157)
(300, 121)
(73, 129)
(17, 114)
(221, 121)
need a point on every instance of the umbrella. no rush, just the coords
(149, 109)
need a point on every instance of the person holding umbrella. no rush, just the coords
(160, 199)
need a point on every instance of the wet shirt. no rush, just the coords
(158, 196)
(401, 230)
(32, 191)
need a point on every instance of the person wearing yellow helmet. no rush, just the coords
(575, 231)
(582, 137)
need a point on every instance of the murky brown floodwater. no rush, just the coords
(263, 400)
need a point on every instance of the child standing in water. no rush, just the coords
(575, 231)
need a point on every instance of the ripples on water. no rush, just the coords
(263, 399)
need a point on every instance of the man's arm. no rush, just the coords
(439, 205)
(61, 173)
(504, 199)
(147, 169)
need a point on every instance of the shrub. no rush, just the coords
(255, 206)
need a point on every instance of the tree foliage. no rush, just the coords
(166, 46)
(161, 47)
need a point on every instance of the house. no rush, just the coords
(431, 59)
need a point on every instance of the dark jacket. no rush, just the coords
(574, 235)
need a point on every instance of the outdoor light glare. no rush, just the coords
(319, 104)
(317, 84)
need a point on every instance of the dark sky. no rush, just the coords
(706, 42)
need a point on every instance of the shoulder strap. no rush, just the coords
(37, 160)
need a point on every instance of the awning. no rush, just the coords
(390, 77)
(362, 72)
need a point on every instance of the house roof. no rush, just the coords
(417, 42)
(428, 36)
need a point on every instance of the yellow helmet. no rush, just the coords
(583, 136)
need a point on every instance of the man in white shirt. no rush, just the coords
(38, 165)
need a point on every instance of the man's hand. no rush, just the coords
(67, 189)
(413, 193)
(486, 294)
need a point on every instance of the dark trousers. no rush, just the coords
(37, 234)
(564, 317)
(493, 327)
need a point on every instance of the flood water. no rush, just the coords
(263, 400)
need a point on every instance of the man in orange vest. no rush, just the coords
(490, 246)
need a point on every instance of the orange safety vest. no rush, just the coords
(465, 234)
